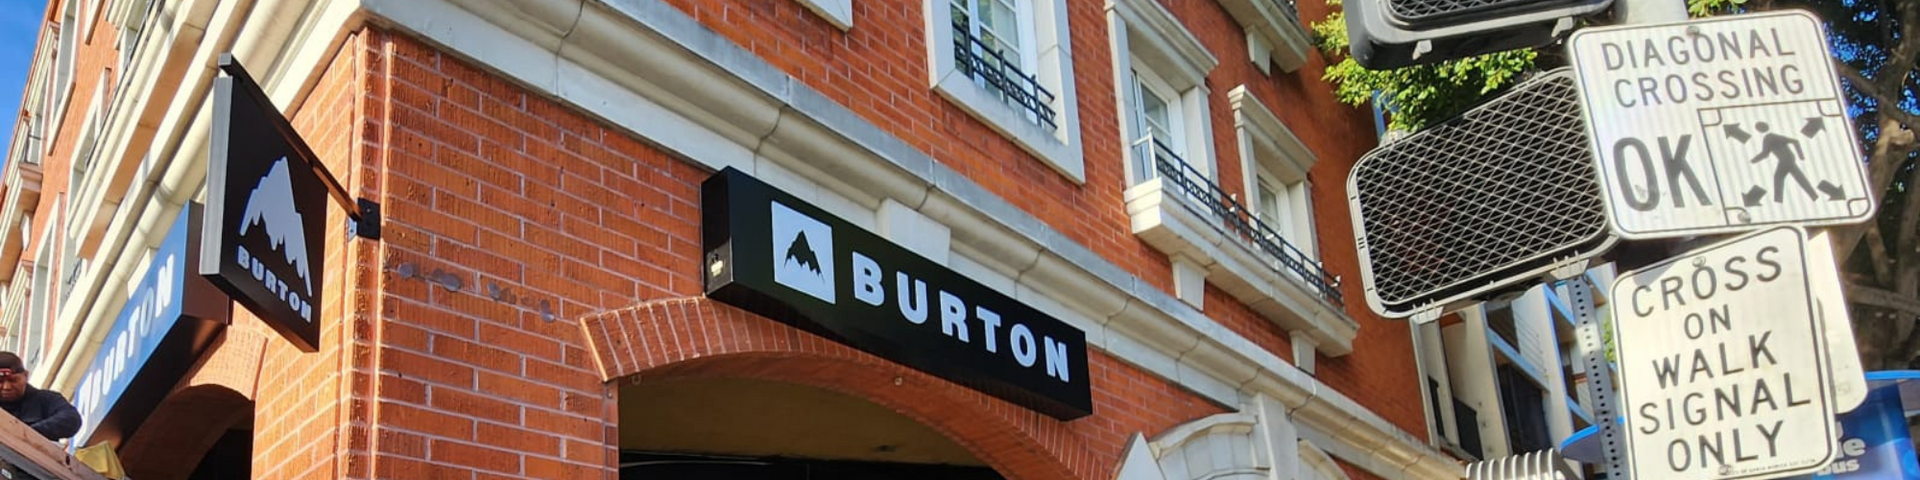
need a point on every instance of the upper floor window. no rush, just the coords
(1161, 72)
(1155, 116)
(1276, 163)
(1008, 64)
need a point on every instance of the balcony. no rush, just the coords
(988, 66)
(19, 194)
(1183, 213)
(1275, 24)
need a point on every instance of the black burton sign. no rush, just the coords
(772, 254)
(266, 207)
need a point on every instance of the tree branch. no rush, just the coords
(1889, 105)
(1894, 143)
(1882, 265)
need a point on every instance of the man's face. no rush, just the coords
(13, 385)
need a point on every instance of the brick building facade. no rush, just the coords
(537, 289)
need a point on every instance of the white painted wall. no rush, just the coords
(1470, 364)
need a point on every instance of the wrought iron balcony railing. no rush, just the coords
(1283, 256)
(1291, 10)
(988, 65)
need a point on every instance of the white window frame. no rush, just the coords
(1148, 42)
(1269, 149)
(1146, 82)
(1046, 53)
(88, 13)
(62, 84)
(40, 314)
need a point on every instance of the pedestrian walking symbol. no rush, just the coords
(1787, 156)
(1771, 155)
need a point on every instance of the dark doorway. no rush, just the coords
(230, 457)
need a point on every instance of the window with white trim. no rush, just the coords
(1155, 116)
(1161, 72)
(1008, 64)
(1276, 163)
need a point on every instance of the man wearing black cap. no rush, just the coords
(44, 410)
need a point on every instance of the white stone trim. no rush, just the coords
(1153, 33)
(839, 13)
(1286, 40)
(1261, 132)
(1052, 64)
(1316, 465)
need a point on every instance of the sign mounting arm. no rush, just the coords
(365, 213)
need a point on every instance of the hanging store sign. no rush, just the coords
(168, 320)
(772, 254)
(267, 206)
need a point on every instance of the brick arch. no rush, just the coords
(216, 394)
(696, 337)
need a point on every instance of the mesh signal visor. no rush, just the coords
(1496, 196)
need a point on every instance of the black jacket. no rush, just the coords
(47, 412)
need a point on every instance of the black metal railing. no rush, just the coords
(1240, 220)
(987, 64)
(1291, 10)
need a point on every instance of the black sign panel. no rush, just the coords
(266, 209)
(772, 254)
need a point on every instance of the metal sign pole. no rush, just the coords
(1593, 356)
(1587, 321)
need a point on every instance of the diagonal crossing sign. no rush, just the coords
(1719, 125)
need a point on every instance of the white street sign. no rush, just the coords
(1849, 382)
(1719, 125)
(1724, 364)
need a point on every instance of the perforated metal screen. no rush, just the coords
(1500, 194)
(1422, 10)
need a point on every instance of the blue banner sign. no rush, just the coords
(152, 308)
(1874, 444)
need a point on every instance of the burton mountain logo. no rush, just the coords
(802, 253)
(270, 207)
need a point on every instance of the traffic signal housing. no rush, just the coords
(1387, 34)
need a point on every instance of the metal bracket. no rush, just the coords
(1570, 270)
(1426, 315)
(368, 225)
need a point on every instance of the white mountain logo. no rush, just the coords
(803, 253)
(270, 206)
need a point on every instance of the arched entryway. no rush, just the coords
(661, 342)
(203, 429)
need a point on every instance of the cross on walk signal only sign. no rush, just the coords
(1719, 125)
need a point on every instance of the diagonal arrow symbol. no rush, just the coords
(1734, 132)
(1753, 196)
(1833, 191)
(1813, 127)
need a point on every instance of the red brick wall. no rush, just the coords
(308, 406)
(878, 70)
(498, 202)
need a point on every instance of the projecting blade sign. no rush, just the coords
(1719, 125)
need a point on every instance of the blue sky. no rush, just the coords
(19, 30)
